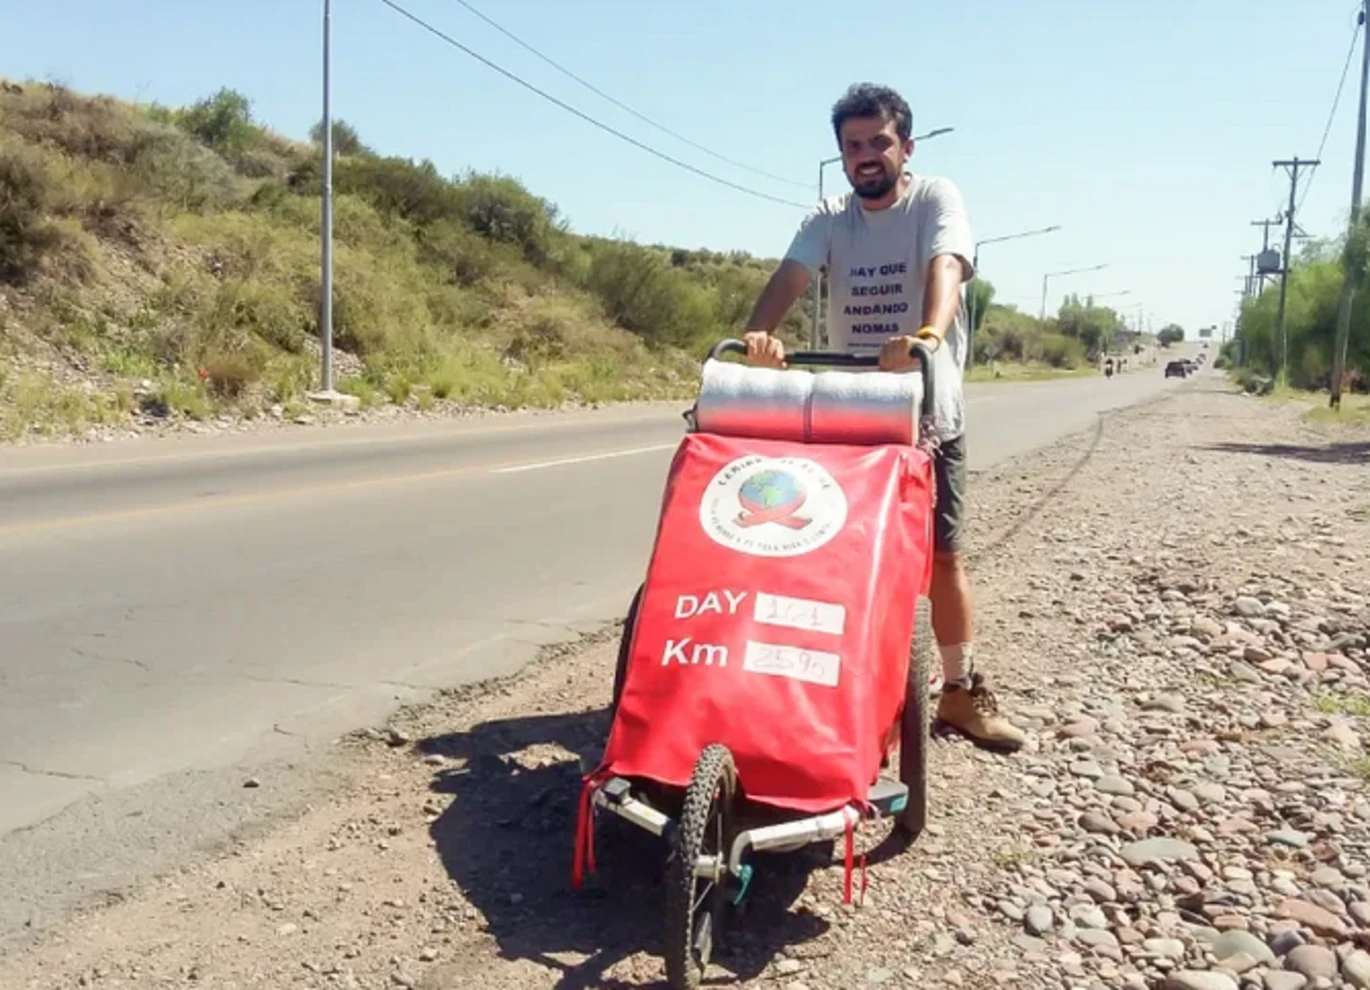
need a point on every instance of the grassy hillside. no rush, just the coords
(165, 262)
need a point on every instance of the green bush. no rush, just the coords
(501, 209)
(26, 231)
(1059, 351)
(642, 293)
(223, 122)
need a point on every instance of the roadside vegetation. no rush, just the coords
(1313, 297)
(1011, 345)
(163, 263)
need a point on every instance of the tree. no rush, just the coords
(223, 121)
(1093, 326)
(981, 296)
(1171, 333)
(345, 138)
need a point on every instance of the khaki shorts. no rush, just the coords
(950, 469)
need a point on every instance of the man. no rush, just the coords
(898, 253)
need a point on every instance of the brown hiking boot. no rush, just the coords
(974, 712)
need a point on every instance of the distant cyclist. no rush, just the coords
(898, 254)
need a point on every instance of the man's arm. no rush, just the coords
(942, 293)
(785, 286)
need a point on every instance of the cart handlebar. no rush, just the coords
(837, 359)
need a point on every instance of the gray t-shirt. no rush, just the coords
(877, 262)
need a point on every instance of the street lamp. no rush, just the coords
(1071, 271)
(975, 265)
(818, 281)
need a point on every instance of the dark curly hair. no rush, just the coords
(870, 100)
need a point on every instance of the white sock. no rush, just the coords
(956, 664)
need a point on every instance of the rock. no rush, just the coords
(1138, 821)
(1182, 799)
(1244, 673)
(1288, 837)
(1205, 628)
(1098, 823)
(252, 782)
(1038, 920)
(1117, 786)
(1193, 979)
(1172, 703)
(1356, 968)
(1096, 938)
(1313, 961)
(1316, 919)
(878, 975)
(1360, 913)
(788, 967)
(1249, 608)
(1278, 980)
(1344, 736)
(1164, 948)
(1239, 963)
(1086, 768)
(1229, 943)
(1099, 891)
(1137, 854)
(1286, 942)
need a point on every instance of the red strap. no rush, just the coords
(585, 834)
(847, 871)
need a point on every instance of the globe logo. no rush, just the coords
(771, 496)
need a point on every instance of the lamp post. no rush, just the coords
(818, 280)
(1071, 271)
(975, 264)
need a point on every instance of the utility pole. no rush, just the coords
(1353, 259)
(326, 305)
(1250, 275)
(1293, 165)
(1265, 226)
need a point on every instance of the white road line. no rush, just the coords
(583, 458)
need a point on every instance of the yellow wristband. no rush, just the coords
(929, 331)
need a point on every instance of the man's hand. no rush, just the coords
(764, 351)
(896, 354)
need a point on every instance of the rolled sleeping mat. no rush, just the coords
(736, 400)
(862, 408)
(844, 407)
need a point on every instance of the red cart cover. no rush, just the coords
(776, 618)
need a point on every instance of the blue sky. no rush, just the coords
(1146, 130)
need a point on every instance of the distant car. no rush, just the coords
(1190, 366)
(1176, 369)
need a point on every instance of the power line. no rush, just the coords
(584, 116)
(1336, 101)
(623, 106)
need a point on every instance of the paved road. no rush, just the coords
(173, 612)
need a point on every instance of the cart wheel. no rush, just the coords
(625, 644)
(913, 729)
(695, 905)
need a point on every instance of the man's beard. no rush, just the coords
(874, 188)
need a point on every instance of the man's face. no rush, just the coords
(872, 155)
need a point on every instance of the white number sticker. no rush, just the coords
(811, 666)
(799, 613)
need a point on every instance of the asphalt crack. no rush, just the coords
(60, 774)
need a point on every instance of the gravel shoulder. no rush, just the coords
(1177, 603)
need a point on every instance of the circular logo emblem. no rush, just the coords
(773, 507)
